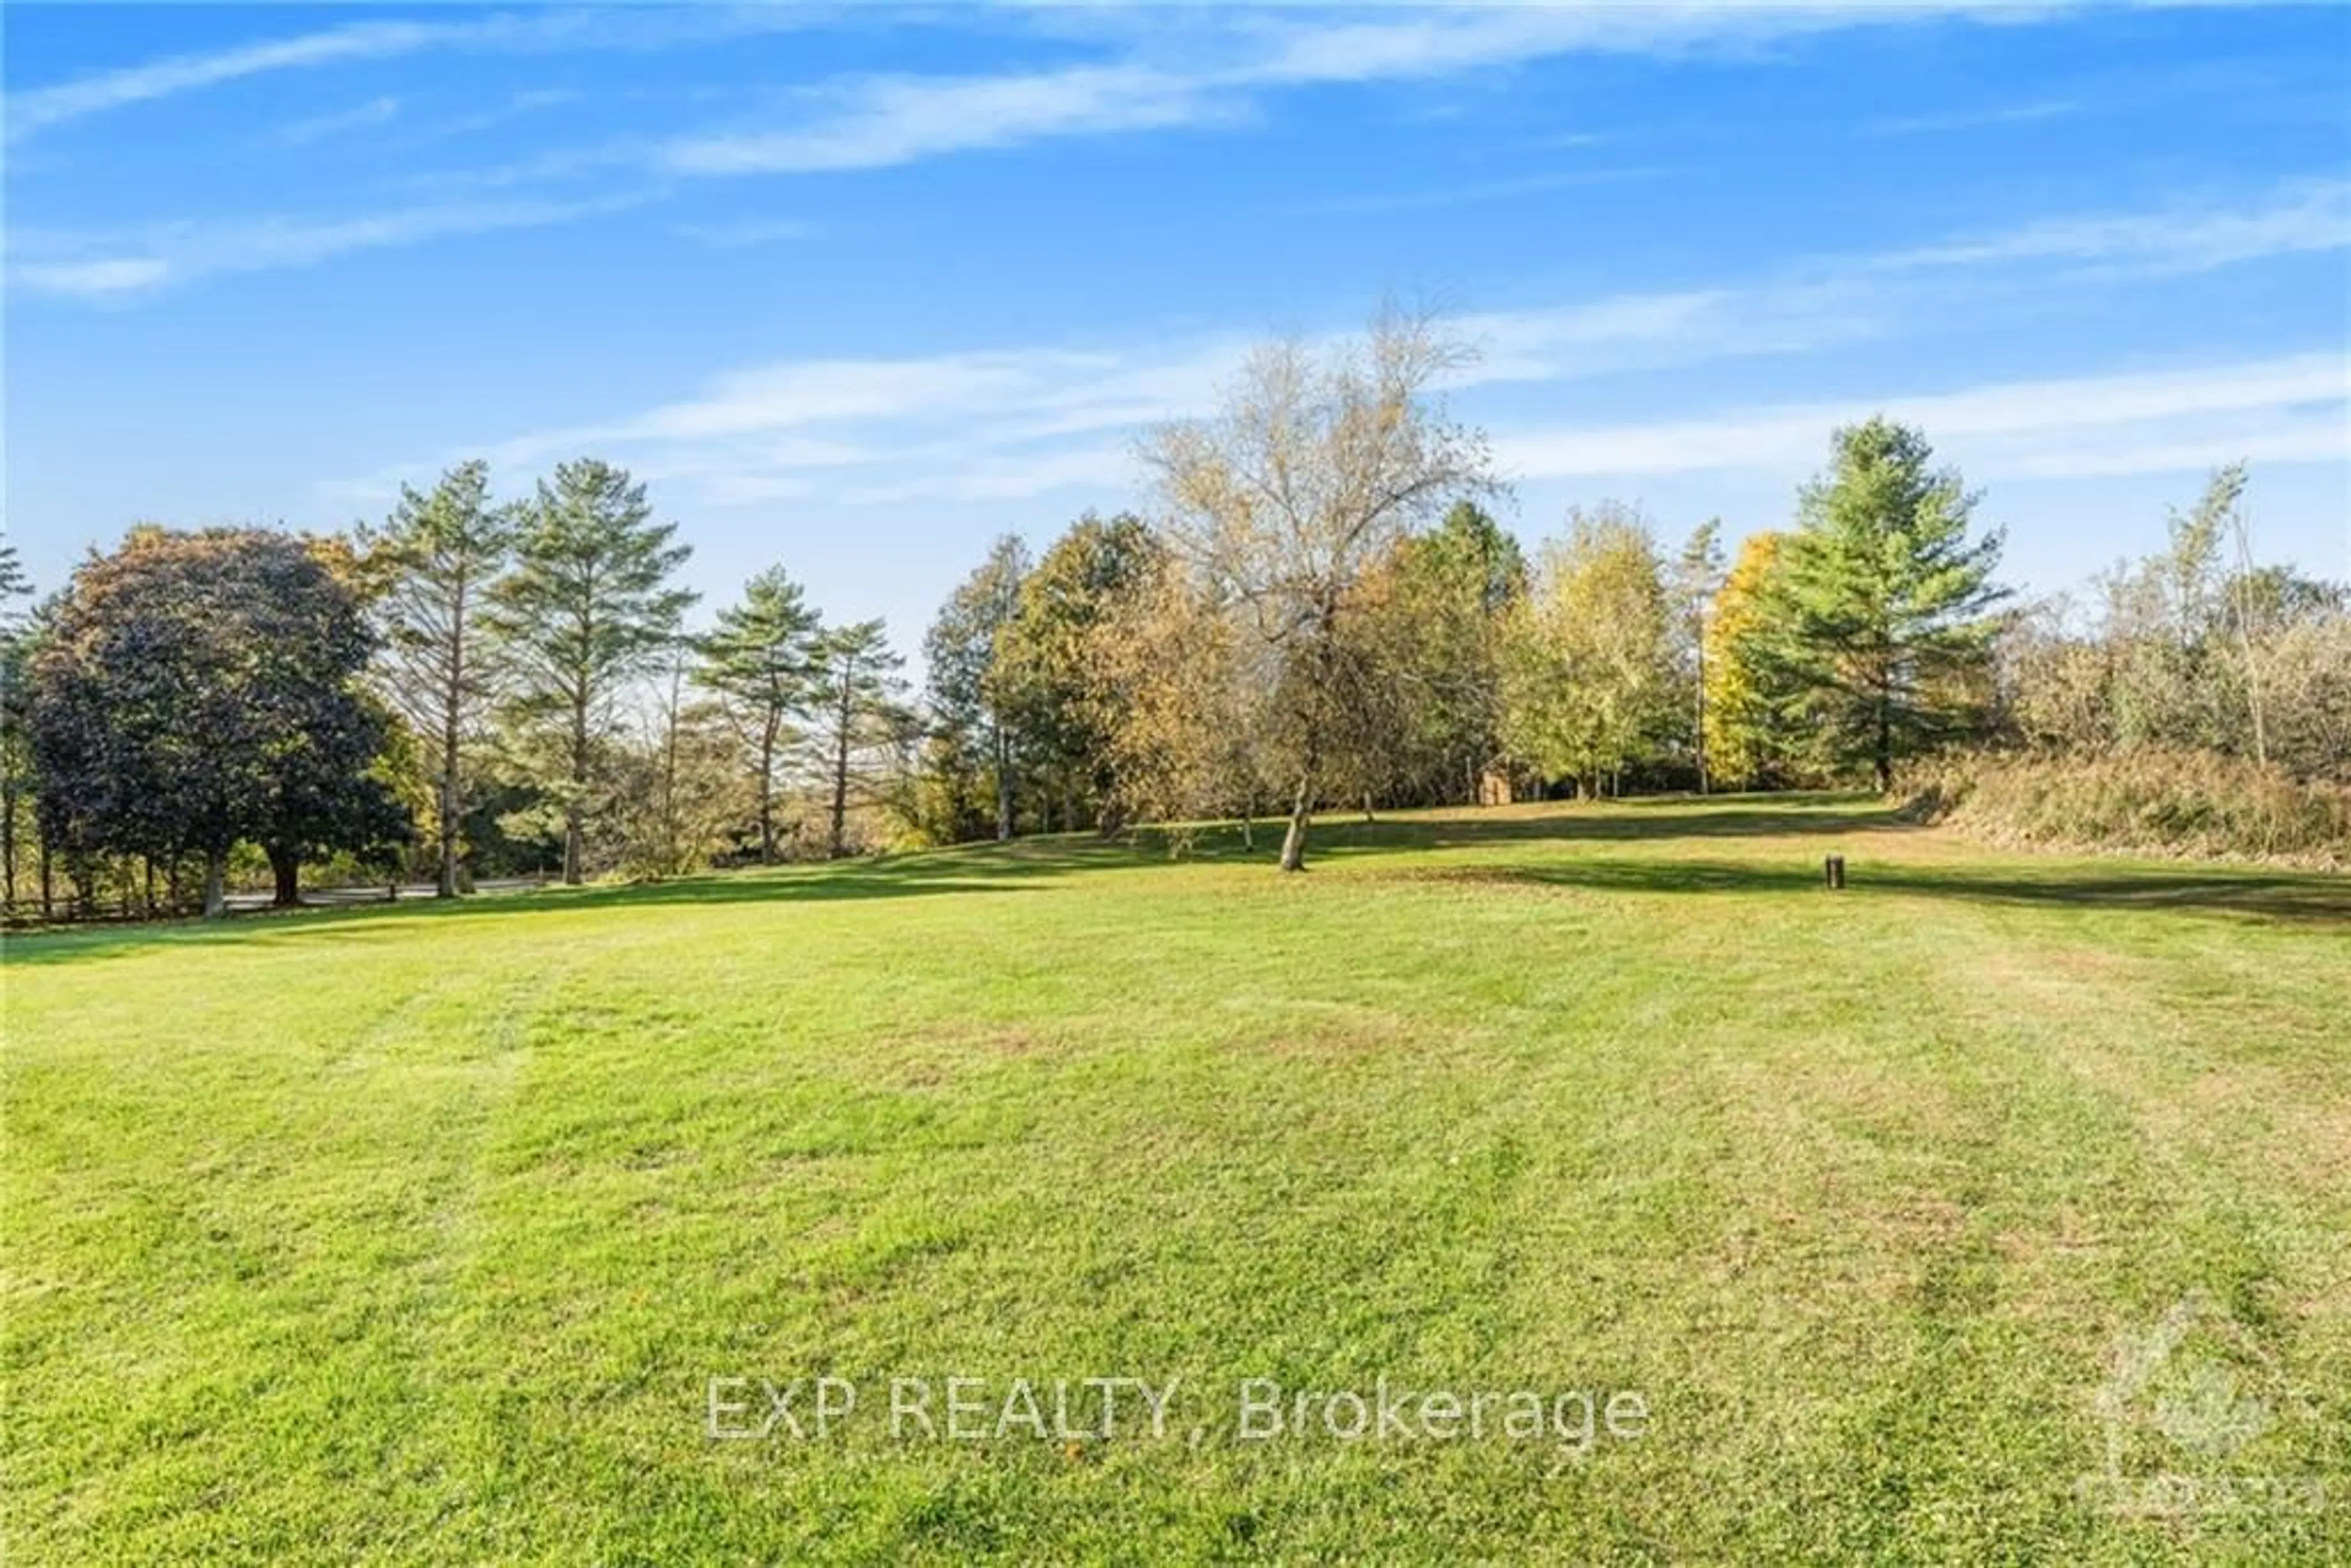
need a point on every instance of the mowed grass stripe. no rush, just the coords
(416, 1233)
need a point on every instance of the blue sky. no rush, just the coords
(855, 291)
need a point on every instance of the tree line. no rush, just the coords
(490, 687)
(1321, 613)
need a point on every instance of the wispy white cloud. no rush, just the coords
(1832, 300)
(1103, 469)
(44, 107)
(2298, 216)
(578, 28)
(1200, 69)
(1019, 425)
(1224, 64)
(740, 234)
(108, 279)
(1295, 47)
(847, 412)
(359, 117)
(534, 100)
(116, 268)
(1974, 118)
(993, 425)
(1466, 192)
(2286, 409)
(896, 119)
(998, 424)
(1659, 331)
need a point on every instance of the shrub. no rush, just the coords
(2192, 803)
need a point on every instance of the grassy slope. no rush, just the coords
(416, 1234)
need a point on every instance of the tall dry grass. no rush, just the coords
(2186, 803)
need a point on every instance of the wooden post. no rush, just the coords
(1835, 868)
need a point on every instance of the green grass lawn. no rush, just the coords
(420, 1234)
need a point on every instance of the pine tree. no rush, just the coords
(857, 675)
(761, 659)
(587, 605)
(1878, 624)
(431, 566)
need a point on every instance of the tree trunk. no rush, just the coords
(573, 858)
(574, 855)
(8, 838)
(216, 870)
(453, 699)
(446, 886)
(672, 853)
(286, 869)
(1883, 761)
(840, 776)
(768, 793)
(1301, 805)
(1703, 787)
(1003, 784)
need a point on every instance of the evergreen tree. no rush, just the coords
(1878, 625)
(587, 606)
(859, 714)
(430, 566)
(761, 659)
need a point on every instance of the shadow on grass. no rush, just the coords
(385, 921)
(2291, 896)
(1647, 820)
(1021, 864)
(1004, 867)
